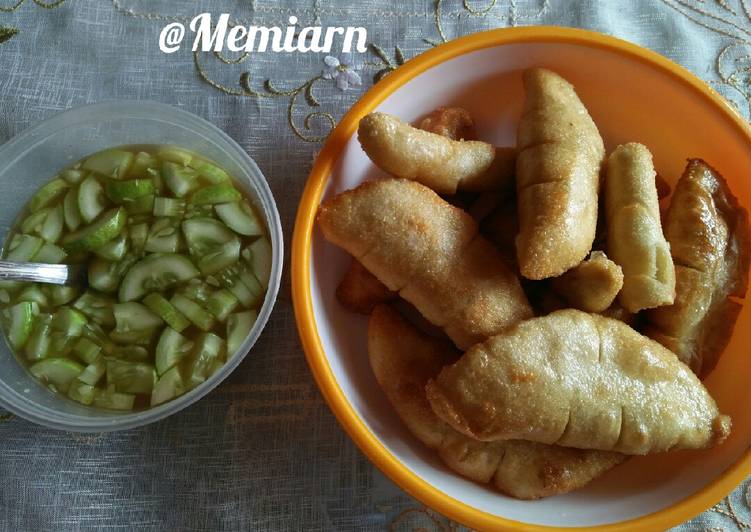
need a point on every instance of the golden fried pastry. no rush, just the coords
(578, 380)
(360, 291)
(592, 285)
(454, 123)
(501, 227)
(635, 240)
(438, 162)
(431, 253)
(709, 239)
(617, 312)
(557, 177)
(404, 359)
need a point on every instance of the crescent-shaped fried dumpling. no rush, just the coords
(403, 359)
(578, 380)
(709, 239)
(592, 285)
(558, 164)
(635, 239)
(443, 164)
(431, 253)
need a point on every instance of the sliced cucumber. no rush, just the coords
(61, 295)
(156, 178)
(197, 290)
(238, 328)
(141, 162)
(124, 191)
(97, 234)
(209, 348)
(164, 237)
(213, 194)
(199, 211)
(140, 206)
(193, 311)
(110, 163)
(69, 321)
(131, 353)
(38, 344)
(20, 320)
(58, 371)
(134, 316)
(221, 304)
(131, 377)
(33, 223)
(97, 307)
(169, 207)
(254, 286)
(156, 273)
(135, 337)
(81, 392)
(169, 386)
(170, 349)
(73, 175)
(175, 155)
(112, 400)
(164, 309)
(91, 201)
(70, 210)
(48, 194)
(34, 293)
(211, 173)
(180, 180)
(138, 234)
(113, 250)
(205, 234)
(23, 248)
(50, 254)
(240, 217)
(102, 275)
(93, 372)
(260, 258)
(87, 351)
(52, 227)
(219, 258)
(61, 344)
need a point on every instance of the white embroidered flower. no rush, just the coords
(343, 71)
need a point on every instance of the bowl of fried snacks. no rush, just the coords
(519, 273)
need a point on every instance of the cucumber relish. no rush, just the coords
(178, 263)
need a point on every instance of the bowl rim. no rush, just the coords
(410, 482)
(19, 145)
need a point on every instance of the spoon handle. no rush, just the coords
(35, 272)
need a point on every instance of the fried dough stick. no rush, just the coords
(592, 285)
(557, 177)
(404, 359)
(443, 164)
(431, 253)
(578, 380)
(635, 239)
(709, 239)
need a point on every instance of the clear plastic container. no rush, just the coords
(36, 155)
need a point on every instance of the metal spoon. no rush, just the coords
(65, 274)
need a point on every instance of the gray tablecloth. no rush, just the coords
(263, 451)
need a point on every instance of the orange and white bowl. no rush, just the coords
(633, 95)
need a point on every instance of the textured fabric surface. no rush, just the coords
(263, 451)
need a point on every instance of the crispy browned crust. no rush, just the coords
(403, 359)
(579, 380)
(559, 156)
(592, 285)
(708, 232)
(431, 253)
(455, 123)
(360, 290)
(443, 164)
